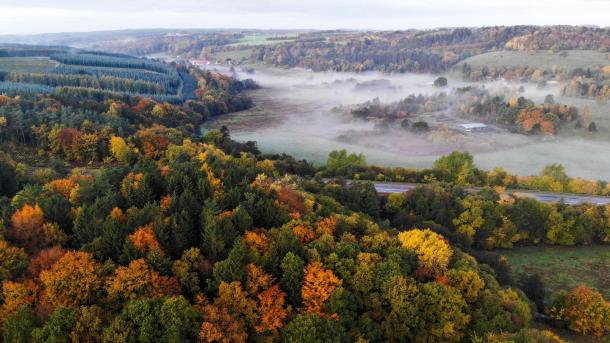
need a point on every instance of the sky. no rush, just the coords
(43, 16)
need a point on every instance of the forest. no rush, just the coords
(431, 51)
(121, 220)
(211, 241)
(28, 69)
(166, 235)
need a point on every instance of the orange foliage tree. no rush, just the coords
(138, 280)
(327, 226)
(303, 234)
(227, 319)
(535, 117)
(220, 326)
(17, 294)
(257, 279)
(318, 285)
(144, 240)
(257, 240)
(292, 200)
(27, 225)
(62, 186)
(271, 310)
(585, 310)
(73, 280)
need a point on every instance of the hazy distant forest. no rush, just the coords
(124, 218)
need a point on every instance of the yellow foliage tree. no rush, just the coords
(432, 249)
(119, 149)
(467, 282)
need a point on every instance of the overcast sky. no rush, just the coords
(39, 16)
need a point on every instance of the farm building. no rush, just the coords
(470, 127)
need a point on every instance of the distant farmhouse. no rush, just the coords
(199, 63)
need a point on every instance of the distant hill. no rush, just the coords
(48, 69)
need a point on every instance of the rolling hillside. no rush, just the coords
(48, 69)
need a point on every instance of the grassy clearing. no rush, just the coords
(565, 267)
(541, 59)
(26, 64)
(260, 39)
(235, 55)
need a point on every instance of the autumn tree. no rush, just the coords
(232, 297)
(318, 285)
(27, 226)
(432, 249)
(584, 310)
(44, 259)
(257, 240)
(16, 295)
(73, 280)
(144, 240)
(271, 310)
(138, 280)
(467, 282)
(220, 326)
(188, 268)
(119, 149)
(257, 279)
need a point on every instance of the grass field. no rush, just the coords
(260, 39)
(565, 267)
(27, 64)
(540, 59)
(235, 55)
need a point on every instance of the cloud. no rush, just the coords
(37, 16)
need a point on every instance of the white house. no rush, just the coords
(473, 127)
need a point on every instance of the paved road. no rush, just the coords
(572, 199)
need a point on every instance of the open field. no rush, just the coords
(261, 39)
(564, 267)
(541, 59)
(235, 55)
(26, 64)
